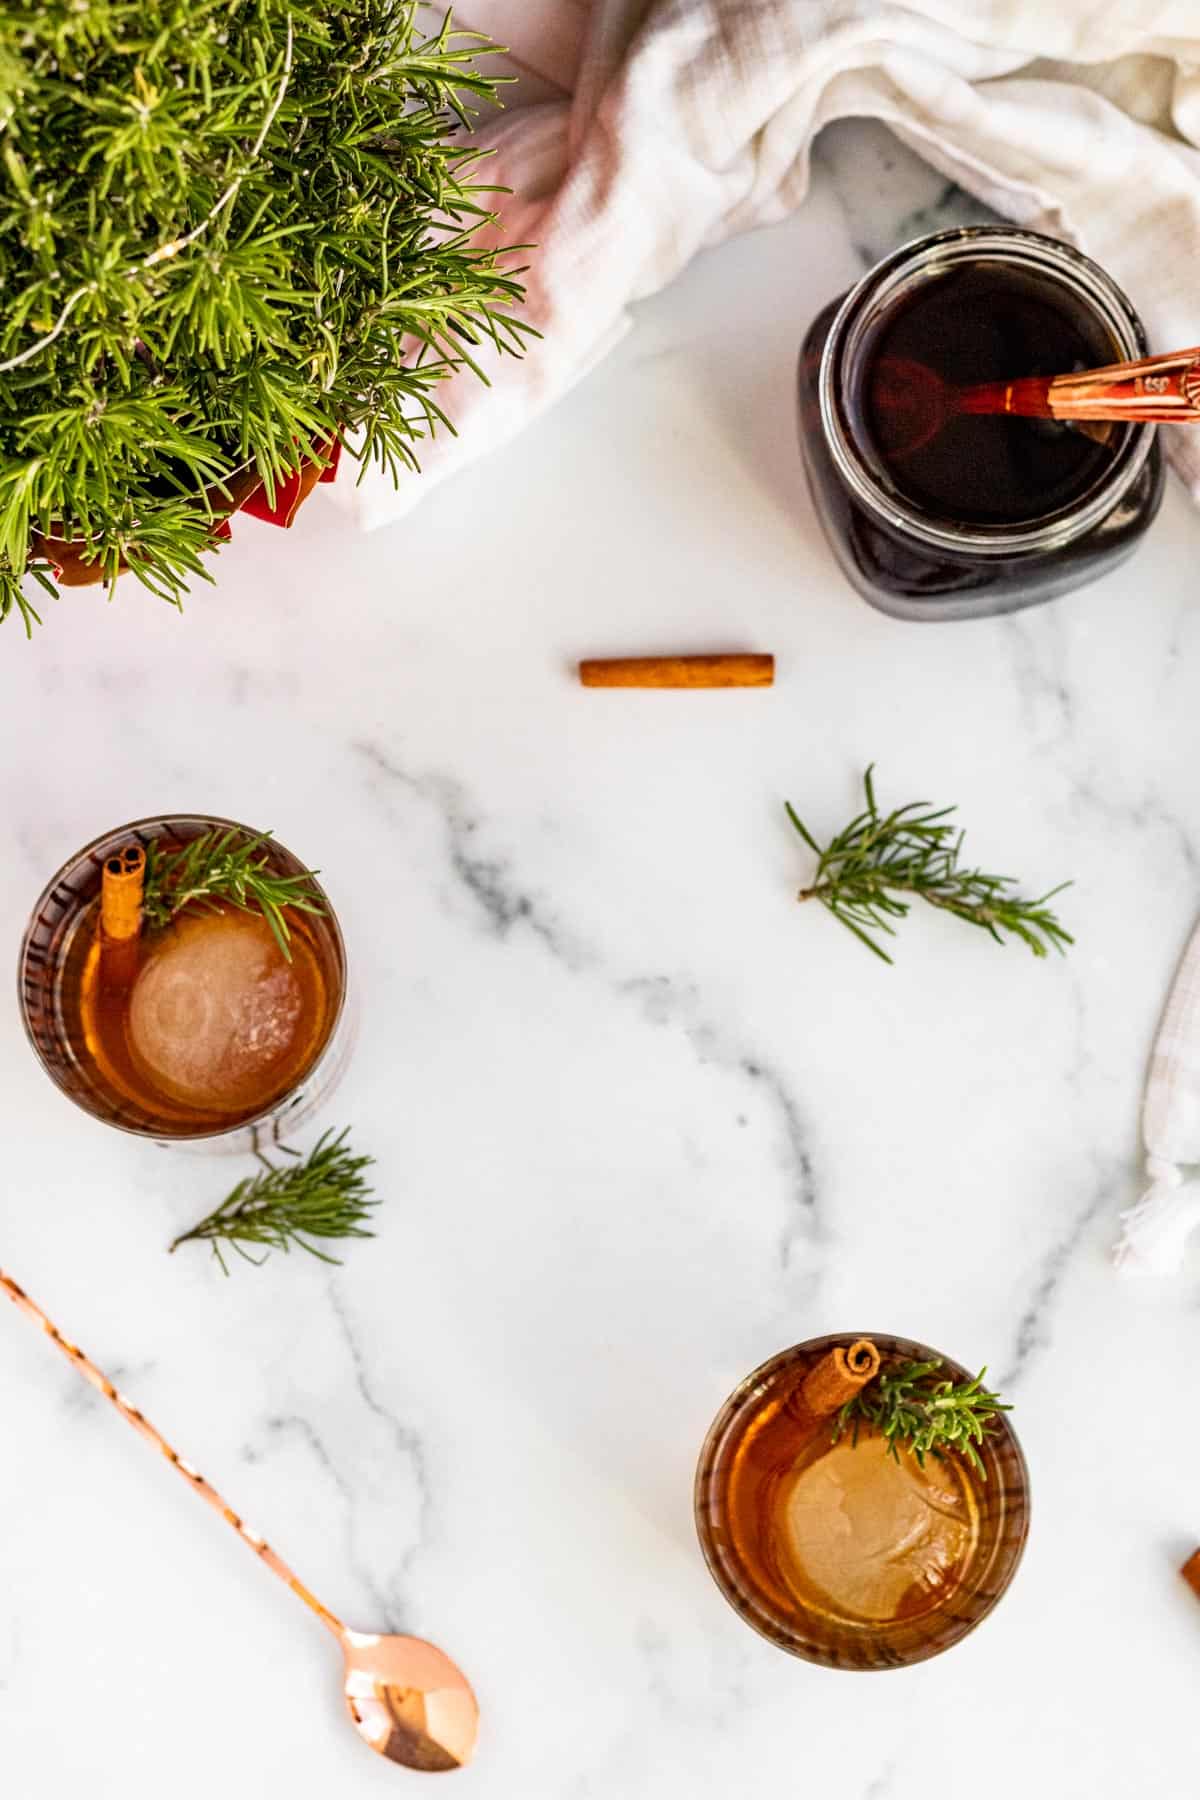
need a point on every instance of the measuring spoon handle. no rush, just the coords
(1162, 388)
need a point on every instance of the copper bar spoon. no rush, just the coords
(408, 1701)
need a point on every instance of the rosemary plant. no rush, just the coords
(225, 866)
(868, 874)
(231, 231)
(323, 1197)
(907, 1406)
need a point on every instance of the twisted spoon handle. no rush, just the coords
(1165, 388)
(143, 1427)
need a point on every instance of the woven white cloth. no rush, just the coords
(1156, 1230)
(654, 127)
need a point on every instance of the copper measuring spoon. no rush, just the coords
(1164, 389)
(409, 1702)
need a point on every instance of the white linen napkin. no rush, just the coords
(1156, 1230)
(690, 120)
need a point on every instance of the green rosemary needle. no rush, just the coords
(863, 874)
(323, 1197)
(225, 865)
(906, 1406)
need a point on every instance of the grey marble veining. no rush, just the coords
(661, 1000)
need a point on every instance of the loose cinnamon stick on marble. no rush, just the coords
(732, 671)
(841, 1373)
(1191, 1572)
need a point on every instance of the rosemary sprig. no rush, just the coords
(862, 872)
(325, 1196)
(906, 1406)
(225, 866)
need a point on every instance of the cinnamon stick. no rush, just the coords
(1191, 1572)
(841, 1373)
(732, 671)
(121, 884)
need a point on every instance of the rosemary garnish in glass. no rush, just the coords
(906, 1406)
(225, 865)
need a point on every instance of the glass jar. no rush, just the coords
(743, 1469)
(55, 953)
(956, 553)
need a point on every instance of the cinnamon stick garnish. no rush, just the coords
(841, 1374)
(1191, 1572)
(121, 883)
(733, 671)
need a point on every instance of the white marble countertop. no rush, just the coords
(639, 1120)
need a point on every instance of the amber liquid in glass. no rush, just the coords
(842, 1530)
(204, 1024)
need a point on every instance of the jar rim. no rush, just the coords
(880, 286)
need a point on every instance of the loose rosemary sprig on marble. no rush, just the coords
(906, 1406)
(862, 873)
(323, 1197)
(225, 865)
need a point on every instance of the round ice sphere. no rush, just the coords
(215, 1010)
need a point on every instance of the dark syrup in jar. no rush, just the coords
(982, 323)
(985, 514)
